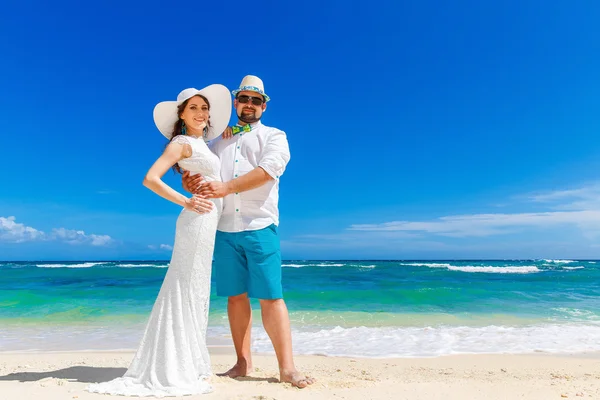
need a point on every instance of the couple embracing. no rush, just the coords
(232, 216)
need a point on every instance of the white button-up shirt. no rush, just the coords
(263, 147)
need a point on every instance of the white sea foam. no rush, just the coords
(559, 261)
(370, 342)
(527, 269)
(84, 265)
(327, 265)
(437, 341)
(312, 265)
(142, 265)
(523, 269)
(576, 314)
(573, 267)
(89, 336)
(430, 265)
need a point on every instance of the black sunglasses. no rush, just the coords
(257, 101)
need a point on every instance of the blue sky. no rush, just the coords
(417, 129)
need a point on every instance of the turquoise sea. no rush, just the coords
(339, 308)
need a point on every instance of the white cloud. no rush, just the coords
(72, 236)
(12, 231)
(488, 224)
(582, 198)
(101, 240)
(356, 237)
(579, 208)
(160, 247)
(553, 224)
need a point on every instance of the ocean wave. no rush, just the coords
(113, 336)
(367, 342)
(576, 314)
(316, 265)
(559, 261)
(141, 265)
(430, 265)
(327, 265)
(11, 265)
(522, 269)
(528, 269)
(390, 342)
(571, 268)
(293, 265)
(83, 265)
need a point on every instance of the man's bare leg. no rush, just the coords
(276, 321)
(240, 323)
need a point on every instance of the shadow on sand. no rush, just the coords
(256, 379)
(74, 374)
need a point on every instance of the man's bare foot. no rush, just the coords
(296, 379)
(241, 368)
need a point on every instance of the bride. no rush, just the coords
(172, 358)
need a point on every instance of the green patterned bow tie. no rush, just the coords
(237, 129)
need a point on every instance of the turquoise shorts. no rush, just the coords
(249, 262)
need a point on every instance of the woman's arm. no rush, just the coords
(174, 153)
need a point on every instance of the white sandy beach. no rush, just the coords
(58, 376)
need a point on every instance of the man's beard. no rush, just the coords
(248, 118)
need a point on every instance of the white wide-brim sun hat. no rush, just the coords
(219, 98)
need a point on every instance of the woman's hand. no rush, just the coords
(198, 204)
(228, 133)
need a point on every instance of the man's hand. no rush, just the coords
(214, 190)
(191, 183)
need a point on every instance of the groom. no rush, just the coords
(247, 256)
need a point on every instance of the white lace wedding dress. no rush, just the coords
(172, 358)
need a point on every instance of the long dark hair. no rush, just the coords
(178, 126)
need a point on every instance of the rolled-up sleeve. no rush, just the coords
(276, 154)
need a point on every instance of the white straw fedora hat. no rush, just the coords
(165, 113)
(253, 84)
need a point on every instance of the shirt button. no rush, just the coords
(236, 193)
(238, 147)
(236, 160)
(236, 175)
(237, 209)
